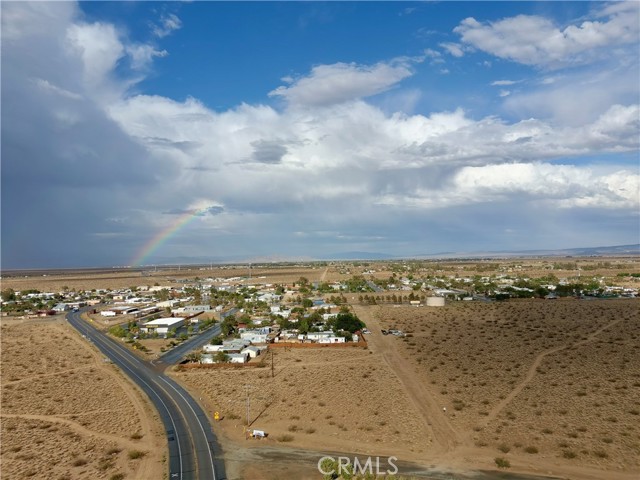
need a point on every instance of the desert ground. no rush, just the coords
(66, 414)
(550, 386)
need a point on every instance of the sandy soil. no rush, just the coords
(560, 377)
(67, 414)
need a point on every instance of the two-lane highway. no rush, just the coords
(194, 452)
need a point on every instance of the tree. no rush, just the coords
(8, 295)
(118, 331)
(221, 357)
(347, 322)
(216, 341)
(228, 325)
(194, 357)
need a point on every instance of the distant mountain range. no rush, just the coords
(616, 250)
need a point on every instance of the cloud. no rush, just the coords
(341, 82)
(46, 86)
(142, 55)
(454, 49)
(505, 83)
(537, 41)
(200, 212)
(369, 174)
(580, 96)
(99, 48)
(266, 151)
(167, 24)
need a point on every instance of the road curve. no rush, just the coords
(194, 452)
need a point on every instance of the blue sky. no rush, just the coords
(297, 130)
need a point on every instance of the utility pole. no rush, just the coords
(272, 375)
(248, 406)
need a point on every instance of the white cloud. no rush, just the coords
(142, 55)
(167, 25)
(454, 49)
(504, 83)
(535, 40)
(431, 53)
(340, 82)
(45, 85)
(99, 48)
(504, 93)
(575, 98)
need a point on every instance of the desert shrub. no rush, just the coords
(531, 449)
(117, 476)
(285, 438)
(136, 436)
(310, 430)
(135, 454)
(78, 462)
(504, 448)
(293, 428)
(607, 440)
(502, 462)
(569, 454)
(547, 431)
(600, 454)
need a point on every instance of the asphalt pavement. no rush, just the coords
(194, 452)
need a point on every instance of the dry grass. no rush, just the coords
(65, 413)
(580, 398)
(323, 399)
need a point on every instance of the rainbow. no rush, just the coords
(156, 242)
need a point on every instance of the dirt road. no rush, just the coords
(443, 436)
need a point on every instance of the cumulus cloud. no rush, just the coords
(341, 82)
(326, 161)
(536, 40)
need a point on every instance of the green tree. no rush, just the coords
(347, 322)
(118, 331)
(8, 295)
(221, 357)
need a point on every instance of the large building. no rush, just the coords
(161, 326)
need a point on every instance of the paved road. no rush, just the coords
(194, 452)
(176, 354)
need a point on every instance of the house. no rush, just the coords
(332, 339)
(317, 336)
(238, 357)
(61, 307)
(254, 336)
(252, 351)
(161, 326)
(213, 348)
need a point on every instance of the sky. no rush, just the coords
(144, 133)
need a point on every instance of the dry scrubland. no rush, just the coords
(68, 415)
(554, 381)
(79, 280)
(333, 399)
